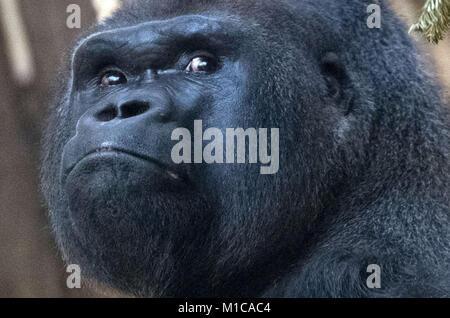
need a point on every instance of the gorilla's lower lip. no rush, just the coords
(172, 173)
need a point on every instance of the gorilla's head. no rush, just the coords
(131, 217)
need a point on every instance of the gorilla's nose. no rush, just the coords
(127, 110)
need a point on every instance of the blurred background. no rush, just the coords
(33, 38)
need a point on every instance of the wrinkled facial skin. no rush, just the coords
(136, 221)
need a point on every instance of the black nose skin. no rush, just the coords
(127, 110)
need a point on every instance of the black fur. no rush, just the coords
(364, 162)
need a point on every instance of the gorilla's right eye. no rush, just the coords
(112, 78)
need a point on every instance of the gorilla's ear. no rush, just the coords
(338, 82)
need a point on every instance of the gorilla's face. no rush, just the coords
(134, 219)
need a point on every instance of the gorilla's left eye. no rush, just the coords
(202, 64)
(113, 78)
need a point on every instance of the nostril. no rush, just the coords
(133, 109)
(107, 114)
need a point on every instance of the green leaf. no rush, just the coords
(434, 20)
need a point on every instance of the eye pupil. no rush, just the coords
(113, 78)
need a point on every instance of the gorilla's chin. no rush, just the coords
(107, 188)
(127, 221)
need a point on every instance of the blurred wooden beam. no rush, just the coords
(17, 43)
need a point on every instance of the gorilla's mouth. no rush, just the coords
(100, 153)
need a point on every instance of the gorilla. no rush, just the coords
(363, 153)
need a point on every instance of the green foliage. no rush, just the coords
(434, 20)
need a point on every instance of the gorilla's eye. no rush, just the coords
(113, 78)
(202, 64)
